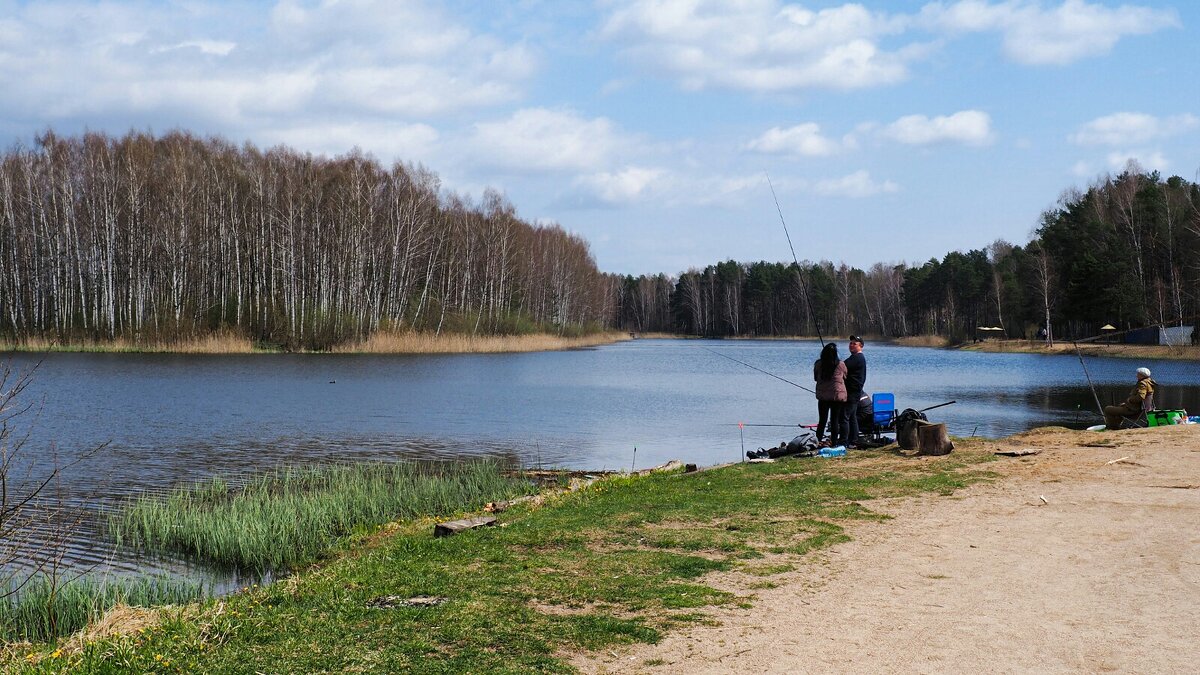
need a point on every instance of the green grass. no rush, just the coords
(42, 610)
(622, 561)
(293, 516)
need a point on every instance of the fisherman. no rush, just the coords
(1134, 405)
(866, 412)
(856, 379)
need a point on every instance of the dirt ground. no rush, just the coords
(1070, 562)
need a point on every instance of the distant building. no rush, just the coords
(1160, 335)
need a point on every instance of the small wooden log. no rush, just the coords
(673, 465)
(456, 526)
(933, 439)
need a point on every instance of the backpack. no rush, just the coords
(909, 415)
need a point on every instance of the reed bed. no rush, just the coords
(385, 342)
(43, 610)
(213, 343)
(923, 341)
(292, 516)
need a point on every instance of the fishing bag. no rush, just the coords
(906, 436)
(908, 416)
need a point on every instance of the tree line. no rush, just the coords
(1125, 251)
(158, 238)
(161, 238)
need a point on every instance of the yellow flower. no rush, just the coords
(57, 653)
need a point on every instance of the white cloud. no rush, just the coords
(228, 69)
(803, 140)
(381, 139)
(970, 127)
(858, 184)
(1149, 159)
(758, 45)
(769, 45)
(211, 47)
(1035, 35)
(541, 139)
(1130, 127)
(630, 184)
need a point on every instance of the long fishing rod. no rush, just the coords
(744, 424)
(803, 286)
(747, 424)
(758, 369)
(937, 406)
(1089, 378)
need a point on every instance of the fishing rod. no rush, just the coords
(1089, 378)
(937, 406)
(803, 286)
(744, 424)
(747, 424)
(759, 370)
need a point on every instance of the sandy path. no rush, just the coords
(1103, 577)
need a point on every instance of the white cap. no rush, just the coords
(1144, 372)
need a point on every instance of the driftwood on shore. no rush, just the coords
(456, 526)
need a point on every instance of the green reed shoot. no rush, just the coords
(291, 516)
(43, 609)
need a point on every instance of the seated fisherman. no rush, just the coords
(866, 413)
(1132, 407)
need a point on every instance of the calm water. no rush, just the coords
(166, 419)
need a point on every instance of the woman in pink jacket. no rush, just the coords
(829, 372)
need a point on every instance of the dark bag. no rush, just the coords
(906, 422)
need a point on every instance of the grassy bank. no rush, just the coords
(623, 560)
(378, 343)
(292, 516)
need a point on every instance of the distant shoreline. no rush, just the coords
(379, 343)
(1061, 347)
(1121, 351)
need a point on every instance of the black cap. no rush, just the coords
(855, 338)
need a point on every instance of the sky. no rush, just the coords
(890, 131)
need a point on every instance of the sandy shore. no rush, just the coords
(1083, 558)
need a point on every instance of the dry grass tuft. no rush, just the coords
(429, 343)
(120, 620)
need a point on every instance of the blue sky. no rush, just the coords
(892, 131)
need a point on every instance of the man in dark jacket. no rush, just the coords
(856, 379)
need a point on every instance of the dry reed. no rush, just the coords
(451, 343)
(213, 343)
(923, 341)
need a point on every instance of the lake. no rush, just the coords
(145, 422)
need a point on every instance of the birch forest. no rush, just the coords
(151, 238)
(156, 239)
